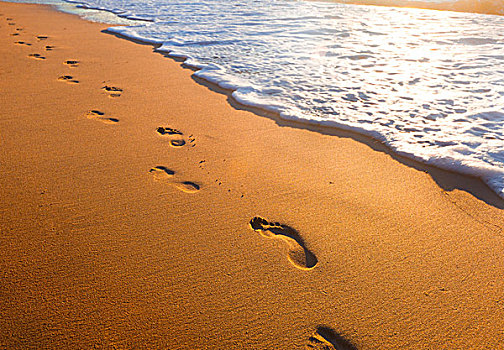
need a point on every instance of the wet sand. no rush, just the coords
(141, 209)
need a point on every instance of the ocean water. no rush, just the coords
(429, 84)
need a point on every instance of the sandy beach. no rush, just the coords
(141, 209)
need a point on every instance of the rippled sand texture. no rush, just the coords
(429, 84)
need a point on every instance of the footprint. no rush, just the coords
(49, 48)
(161, 173)
(188, 187)
(22, 43)
(168, 131)
(94, 113)
(68, 79)
(14, 34)
(298, 255)
(325, 338)
(176, 136)
(113, 91)
(72, 63)
(97, 115)
(37, 56)
(177, 143)
(11, 24)
(108, 120)
(42, 37)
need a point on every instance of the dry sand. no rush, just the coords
(114, 236)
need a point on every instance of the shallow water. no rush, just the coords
(429, 84)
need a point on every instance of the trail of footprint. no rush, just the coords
(113, 91)
(325, 338)
(162, 173)
(36, 56)
(97, 115)
(71, 63)
(298, 255)
(68, 78)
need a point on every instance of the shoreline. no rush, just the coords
(473, 167)
(445, 178)
(143, 210)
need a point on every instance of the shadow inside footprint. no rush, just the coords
(72, 63)
(111, 88)
(188, 187)
(37, 56)
(98, 115)
(68, 79)
(177, 143)
(161, 173)
(94, 112)
(162, 130)
(108, 120)
(299, 255)
(167, 131)
(327, 339)
(113, 91)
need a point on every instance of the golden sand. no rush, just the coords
(140, 209)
